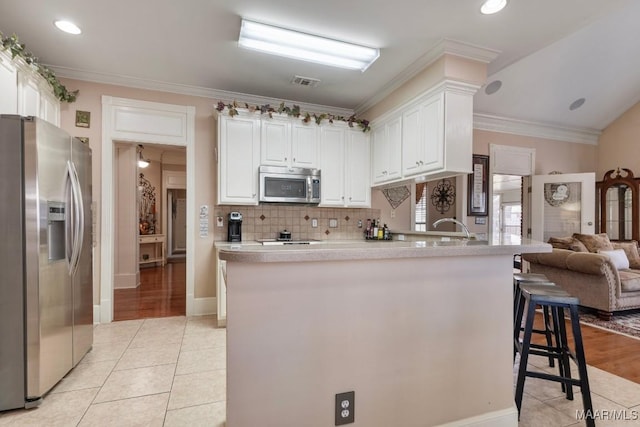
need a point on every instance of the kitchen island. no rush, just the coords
(420, 330)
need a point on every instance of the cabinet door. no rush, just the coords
(394, 148)
(304, 145)
(379, 147)
(49, 108)
(432, 157)
(8, 86)
(358, 187)
(411, 140)
(28, 95)
(332, 165)
(239, 142)
(275, 142)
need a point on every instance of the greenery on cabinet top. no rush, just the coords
(17, 49)
(232, 109)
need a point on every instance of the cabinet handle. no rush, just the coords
(285, 159)
(253, 195)
(294, 159)
(349, 198)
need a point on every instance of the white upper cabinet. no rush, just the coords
(422, 132)
(239, 159)
(358, 155)
(386, 144)
(8, 86)
(435, 131)
(26, 92)
(288, 142)
(345, 166)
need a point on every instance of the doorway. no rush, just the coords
(160, 290)
(507, 204)
(156, 123)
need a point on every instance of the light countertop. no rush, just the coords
(345, 250)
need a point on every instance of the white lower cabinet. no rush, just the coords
(239, 159)
(345, 167)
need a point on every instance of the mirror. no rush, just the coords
(618, 205)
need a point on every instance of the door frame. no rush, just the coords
(129, 120)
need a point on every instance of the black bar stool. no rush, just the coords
(532, 295)
(549, 330)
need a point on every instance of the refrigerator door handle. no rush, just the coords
(79, 216)
(75, 219)
(69, 229)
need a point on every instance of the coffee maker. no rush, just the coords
(234, 224)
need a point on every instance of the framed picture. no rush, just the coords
(83, 119)
(478, 187)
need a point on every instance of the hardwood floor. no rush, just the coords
(611, 352)
(162, 293)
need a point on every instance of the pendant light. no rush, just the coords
(142, 162)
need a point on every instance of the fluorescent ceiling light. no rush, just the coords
(493, 6)
(67, 27)
(306, 47)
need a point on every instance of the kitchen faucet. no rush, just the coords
(464, 227)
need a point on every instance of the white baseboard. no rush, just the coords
(201, 307)
(502, 418)
(204, 306)
(96, 314)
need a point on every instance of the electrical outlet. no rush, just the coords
(345, 410)
(314, 222)
(219, 221)
(393, 213)
(333, 223)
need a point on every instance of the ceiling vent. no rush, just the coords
(305, 81)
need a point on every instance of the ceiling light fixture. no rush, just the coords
(67, 27)
(306, 47)
(142, 162)
(492, 6)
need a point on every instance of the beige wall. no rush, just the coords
(90, 99)
(446, 67)
(551, 155)
(619, 144)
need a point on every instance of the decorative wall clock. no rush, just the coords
(443, 195)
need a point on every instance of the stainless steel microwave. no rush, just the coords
(289, 185)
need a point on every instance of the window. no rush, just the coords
(512, 218)
(421, 208)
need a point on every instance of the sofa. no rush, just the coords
(592, 277)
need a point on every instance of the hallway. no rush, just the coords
(162, 293)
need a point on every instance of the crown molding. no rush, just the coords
(535, 129)
(445, 46)
(217, 95)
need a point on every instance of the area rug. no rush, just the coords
(626, 323)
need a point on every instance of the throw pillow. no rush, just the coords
(631, 250)
(569, 243)
(595, 242)
(561, 242)
(618, 258)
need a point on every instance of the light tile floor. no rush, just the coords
(172, 372)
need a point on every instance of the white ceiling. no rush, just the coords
(551, 52)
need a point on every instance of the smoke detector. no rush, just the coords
(305, 81)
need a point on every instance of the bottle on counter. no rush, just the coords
(375, 225)
(367, 231)
(386, 234)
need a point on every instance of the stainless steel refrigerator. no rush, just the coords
(46, 290)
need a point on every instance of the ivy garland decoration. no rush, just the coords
(295, 112)
(19, 49)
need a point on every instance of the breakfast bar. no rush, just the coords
(419, 330)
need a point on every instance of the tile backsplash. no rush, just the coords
(266, 221)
